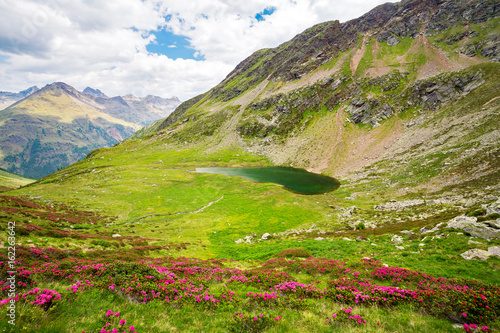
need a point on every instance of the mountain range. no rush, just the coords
(400, 105)
(46, 129)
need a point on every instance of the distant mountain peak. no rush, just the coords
(29, 91)
(94, 92)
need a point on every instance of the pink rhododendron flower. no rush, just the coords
(122, 322)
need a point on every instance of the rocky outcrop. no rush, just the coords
(450, 13)
(492, 51)
(470, 225)
(368, 111)
(434, 92)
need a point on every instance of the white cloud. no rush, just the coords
(102, 44)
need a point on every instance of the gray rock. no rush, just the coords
(476, 253)
(116, 235)
(396, 239)
(492, 52)
(493, 208)
(319, 238)
(400, 248)
(493, 224)
(407, 232)
(347, 239)
(238, 241)
(469, 50)
(349, 211)
(473, 242)
(494, 251)
(265, 236)
(393, 40)
(470, 225)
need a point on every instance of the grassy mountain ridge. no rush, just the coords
(58, 125)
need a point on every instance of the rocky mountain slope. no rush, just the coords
(57, 125)
(341, 97)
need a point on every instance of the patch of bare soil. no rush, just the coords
(358, 55)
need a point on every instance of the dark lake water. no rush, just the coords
(295, 180)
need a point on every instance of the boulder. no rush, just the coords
(470, 225)
(476, 253)
(494, 251)
(393, 40)
(492, 52)
(493, 208)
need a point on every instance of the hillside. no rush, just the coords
(10, 181)
(400, 105)
(57, 125)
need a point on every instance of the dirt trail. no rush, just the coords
(202, 208)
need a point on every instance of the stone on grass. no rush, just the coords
(494, 251)
(265, 236)
(476, 253)
(319, 238)
(470, 225)
(116, 235)
(396, 239)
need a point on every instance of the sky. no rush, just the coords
(148, 47)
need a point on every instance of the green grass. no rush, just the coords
(10, 181)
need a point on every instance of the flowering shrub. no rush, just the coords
(246, 322)
(115, 324)
(345, 316)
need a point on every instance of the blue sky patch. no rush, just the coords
(266, 12)
(3, 58)
(173, 46)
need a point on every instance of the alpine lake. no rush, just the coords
(295, 180)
